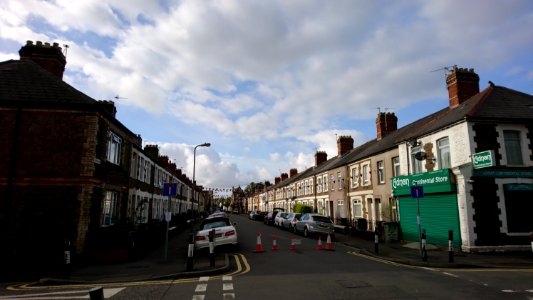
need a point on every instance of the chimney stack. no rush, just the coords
(284, 176)
(277, 180)
(293, 172)
(320, 158)
(344, 144)
(108, 106)
(462, 85)
(385, 123)
(152, 151)
(47, 56)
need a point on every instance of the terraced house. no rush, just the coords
(73, 177)
(484, 205)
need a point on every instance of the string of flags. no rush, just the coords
(220, 190)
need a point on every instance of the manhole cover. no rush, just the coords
(352, 284)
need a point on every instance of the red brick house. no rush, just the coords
(64, 162)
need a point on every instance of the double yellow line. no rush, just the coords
(240, 261)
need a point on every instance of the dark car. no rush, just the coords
(271, 215)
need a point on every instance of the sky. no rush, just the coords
(268, 83)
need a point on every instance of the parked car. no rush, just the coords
(280, 217)
(312, 224)
(290, 220)
(271, 215)
(225, 233)
(256, 215)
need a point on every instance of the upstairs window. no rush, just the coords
(381, 172)
(366, 175)
(325, 182)
(332, 179)
(443, 153)
(396, 166)
(417, 164)
(513, 148)
(113, 148)
(319, 185)
(355, 177)
(339, 180)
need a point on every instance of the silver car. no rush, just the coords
(312, 224)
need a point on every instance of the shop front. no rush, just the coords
(437, 205)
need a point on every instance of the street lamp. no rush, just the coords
(194, 170)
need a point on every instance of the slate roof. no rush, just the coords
(23, 81)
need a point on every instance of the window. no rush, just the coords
(319, 185)
(396, 166)
(339, 180)
(417, 164)
(311, 185)
(325, 182)
(357, 208)
(355, 177)
(366, 177)
(381, 172)
(110, 208)
(113, 148)
(443, 153)
(332, 179)
(513, 149)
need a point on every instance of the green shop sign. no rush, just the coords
(483, 159)
(439, 181)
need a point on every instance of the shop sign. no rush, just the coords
(433, 182)
(483, 159)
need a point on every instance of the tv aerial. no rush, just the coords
(118, 97)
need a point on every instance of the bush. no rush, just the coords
(304, 209)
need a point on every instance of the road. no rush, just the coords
(310, 274)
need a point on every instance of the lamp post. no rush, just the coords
(194, 171)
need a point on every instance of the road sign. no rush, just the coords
(170, 189)
(417, 191)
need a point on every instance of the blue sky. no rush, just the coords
(268, 83)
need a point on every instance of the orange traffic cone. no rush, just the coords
(274, 243)
(293, 244)
(258, 245)
(328, 243)
(319, 244)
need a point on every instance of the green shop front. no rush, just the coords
(438, 206)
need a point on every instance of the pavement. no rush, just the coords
(155, 267)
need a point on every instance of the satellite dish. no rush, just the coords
(420, 155)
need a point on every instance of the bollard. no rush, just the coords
(211, 248)
(96, 293)
(67, 259)
(423, 242)
(190, 253)
(376, 240)
(450, 246)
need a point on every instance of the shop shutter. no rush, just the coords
(438, 214)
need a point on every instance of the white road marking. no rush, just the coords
(229, 296)
(84, 294)
(226, 278)
(198, 297)
(201, 288)
(204, 278)
(227, 286)
(450, 274)
(508, 291)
